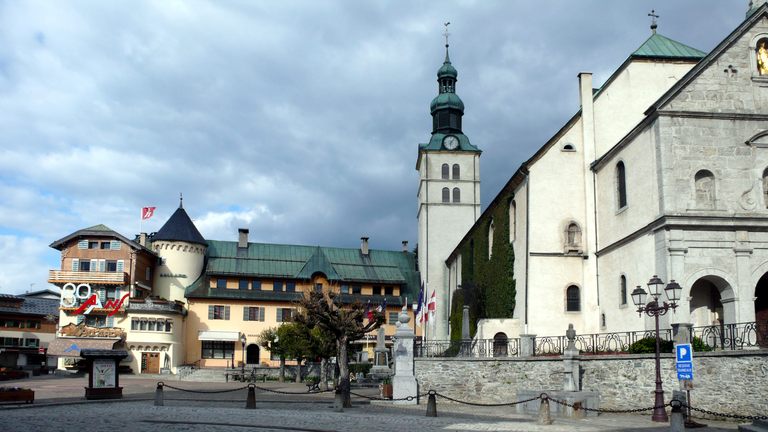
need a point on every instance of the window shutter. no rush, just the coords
(102, 295)
(110, 321)
(75, 264)
(102, 265)
(82, 244)
(94, 265)
(279, 314)
(120, 265)
(261, 314)
(115, 245)
(245, 313)
(210, 312)
(80, 319)
(226, 312)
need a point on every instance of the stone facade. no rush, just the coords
(726, 382)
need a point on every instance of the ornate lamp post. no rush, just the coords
(242, 343)
(654, 309)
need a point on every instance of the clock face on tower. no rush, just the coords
(451, 142)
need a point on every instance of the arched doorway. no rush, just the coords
(252, 354)
(761, 311)
(712, 309)
(500, 345)
(706, 304)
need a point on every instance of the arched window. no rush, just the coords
(623, 290)
(456, 195)
(569, 147)
(572, 299)
(765, 187)
(500, 342)
(621, 185)
(445, 170)
(512, 221)
(761, 55)
(490, 239)
(446, 195)
(456, 171)
(572, 236)
(705, 189)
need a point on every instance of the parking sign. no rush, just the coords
(684, 361)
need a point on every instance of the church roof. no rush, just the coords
(180, 227)
(436, 142)
(658, 46)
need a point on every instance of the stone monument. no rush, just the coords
(404, 382)
(380, 369)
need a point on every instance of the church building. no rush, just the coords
(663, 171)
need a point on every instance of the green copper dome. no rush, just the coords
(446, 101)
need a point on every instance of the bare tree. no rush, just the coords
(345, 323)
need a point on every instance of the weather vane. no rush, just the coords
(446, 34)
(653, 20)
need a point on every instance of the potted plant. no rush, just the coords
(386, 388)
(16, 394)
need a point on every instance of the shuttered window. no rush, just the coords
(115, 245)
(82, 244)
(75, 264)
(253, 313)
(218, 312)
(120, 266)
(94, 265)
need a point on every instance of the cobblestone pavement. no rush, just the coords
(59, 406)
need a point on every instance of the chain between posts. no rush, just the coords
(162, 384)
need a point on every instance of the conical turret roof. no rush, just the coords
(180, 228)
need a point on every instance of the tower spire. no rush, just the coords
(653, 21)
(446, 34)
(181, 200)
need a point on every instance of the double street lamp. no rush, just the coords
(655, 309)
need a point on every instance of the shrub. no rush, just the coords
(360, 367)
(647, 345)
(699, 345)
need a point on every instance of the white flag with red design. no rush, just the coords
(147, 212)
(431, 306)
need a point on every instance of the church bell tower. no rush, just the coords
(448, 194)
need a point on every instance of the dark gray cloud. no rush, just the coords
(298, 119)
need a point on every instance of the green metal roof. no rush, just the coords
(436, 142)
(301, 262)
(445, 101)
(658, 46)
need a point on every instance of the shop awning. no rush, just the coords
(70, 347)
(214, 335)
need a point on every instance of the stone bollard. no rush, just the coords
(159, 394)
(338, 400)
(432, 404)
(677, 419)
(544, 416)
(250, 402)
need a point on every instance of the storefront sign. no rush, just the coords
(71, 295)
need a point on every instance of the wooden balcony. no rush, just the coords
(104, 278)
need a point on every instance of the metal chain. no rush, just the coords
(733, 416)
(483, 404)
(599, 410)
(201, 391)
(292, 393)
(407, 398)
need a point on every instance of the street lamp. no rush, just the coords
(654, 309)
(242, 342)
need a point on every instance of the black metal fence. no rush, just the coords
(717, 337)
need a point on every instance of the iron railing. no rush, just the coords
(717, 337)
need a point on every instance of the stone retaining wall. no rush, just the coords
(728, 382)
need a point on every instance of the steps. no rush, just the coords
(756, 426)
(203, 375)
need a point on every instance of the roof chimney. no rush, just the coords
(143, 239)
(242, 239)
(405, 245)
(364, 245)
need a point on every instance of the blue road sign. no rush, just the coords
(685, 376)
(686, 367)
(683, 353)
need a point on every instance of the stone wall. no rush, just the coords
(728, 382)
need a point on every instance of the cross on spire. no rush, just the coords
(181, 200)
(653, 20)
(445, 33)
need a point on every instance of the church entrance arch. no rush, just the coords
(500, 342)
(761, 311)
(252, 354)
(712, 302)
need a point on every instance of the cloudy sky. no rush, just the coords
(297, 119)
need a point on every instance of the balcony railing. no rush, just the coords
(60, 276)
(725, 337)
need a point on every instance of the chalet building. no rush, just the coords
(27, 327)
